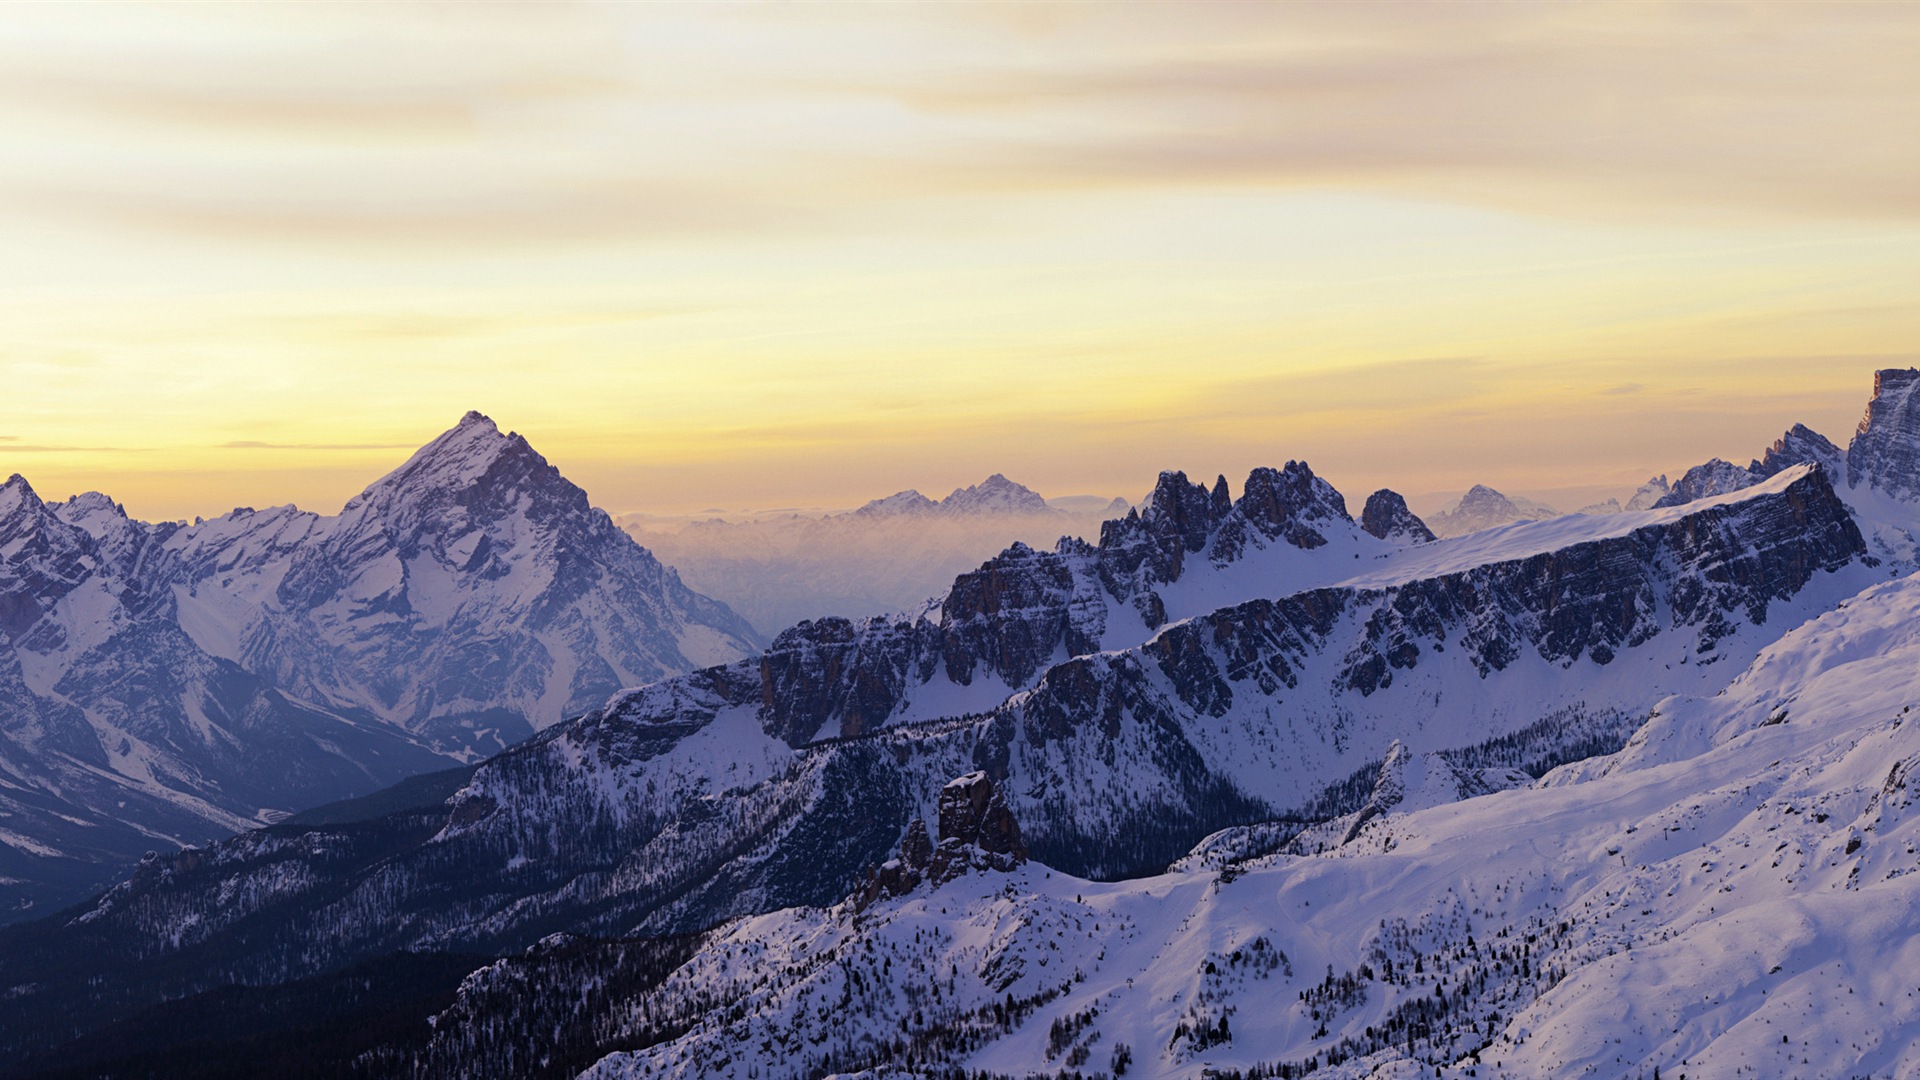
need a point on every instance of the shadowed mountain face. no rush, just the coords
(167, 684)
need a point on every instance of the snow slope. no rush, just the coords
(1732, 894)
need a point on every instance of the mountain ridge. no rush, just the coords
(211, 676)
(1246, 715)
(692, 803)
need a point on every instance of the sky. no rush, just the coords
(756, 255)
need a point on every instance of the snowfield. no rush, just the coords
(1733, 894)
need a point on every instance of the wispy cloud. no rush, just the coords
(628, 122)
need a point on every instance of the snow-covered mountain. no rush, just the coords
(890, 555)
(1484, 508)
(166, 684)
(995, 495)
(1242, 790)
(471, 596)
(1117, 741)
(1731, 894)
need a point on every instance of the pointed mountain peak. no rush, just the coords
(1710, 478)
(470, 455)
(1177, 511)
(1168, 490)
(1484, 508)
(1221, 501)
(1275, 496)
(461, 453)
(17, 495)
(93, 511)
(95, 502)
(1288, 504)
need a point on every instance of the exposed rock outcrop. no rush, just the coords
(1885, 452)
(1387, 517)
(977, 830)
(1025, 609)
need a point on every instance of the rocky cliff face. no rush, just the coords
(1801, 445)
(1885, 452)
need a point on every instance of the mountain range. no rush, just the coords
(171, 683)
(1247, 787)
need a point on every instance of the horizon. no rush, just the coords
(756, 257)
(1422, 503)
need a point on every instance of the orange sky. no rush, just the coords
(759, 255)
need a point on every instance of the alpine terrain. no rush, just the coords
(167, 684)
(1246, 788)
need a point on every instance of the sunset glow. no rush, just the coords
(752, 256)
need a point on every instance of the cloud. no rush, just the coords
(1537, 107)
(389, 126)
